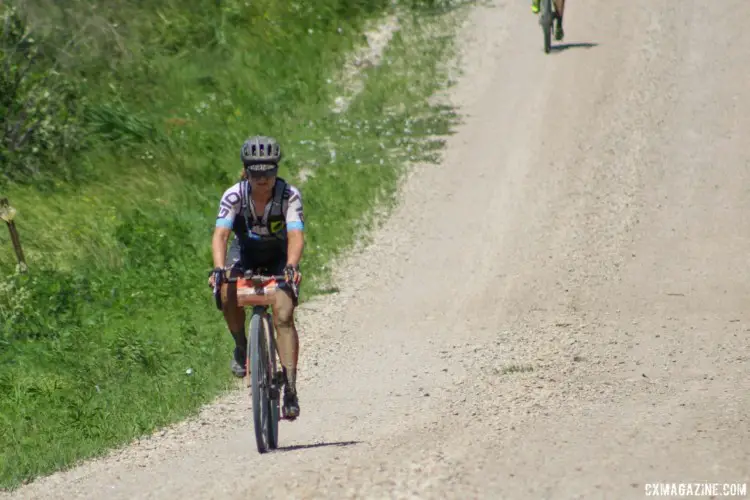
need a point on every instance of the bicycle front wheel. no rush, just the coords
(274, 389)
(259, 381)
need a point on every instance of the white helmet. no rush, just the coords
(260, 150)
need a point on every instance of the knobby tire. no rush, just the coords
(259, 381)
(273, 427)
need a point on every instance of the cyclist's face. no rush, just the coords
(262, 183)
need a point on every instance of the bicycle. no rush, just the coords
(546, 19)
(266, 380)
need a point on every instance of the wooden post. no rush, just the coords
(7, 213)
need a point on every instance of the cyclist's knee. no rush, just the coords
(285, 317)
(284, 311)
(285, 322)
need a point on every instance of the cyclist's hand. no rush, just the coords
(216, 276)
(292, 274)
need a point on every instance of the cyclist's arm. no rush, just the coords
(295, 227)
(229, 207)
(295, 246)
(219, 245)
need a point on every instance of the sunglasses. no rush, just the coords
(261, 171)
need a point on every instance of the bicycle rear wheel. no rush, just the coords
(274, 391)
(545, 20)
(259, 381)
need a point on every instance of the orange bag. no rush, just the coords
(247, 294)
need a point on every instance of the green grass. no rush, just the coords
(97, 339)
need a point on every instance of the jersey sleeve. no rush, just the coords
(294, 215)
(229, 207)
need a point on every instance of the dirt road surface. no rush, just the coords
(568, 309)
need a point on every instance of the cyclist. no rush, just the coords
(560, 8)
(265, 213)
